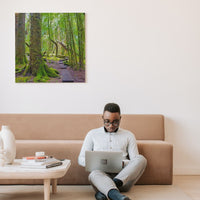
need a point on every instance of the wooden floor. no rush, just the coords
(183, 188)
(189, 184)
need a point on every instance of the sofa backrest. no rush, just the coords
(76, 126)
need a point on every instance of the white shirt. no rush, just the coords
(100, 140)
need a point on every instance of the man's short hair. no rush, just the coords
(112, 107)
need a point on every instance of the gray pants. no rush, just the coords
(129, 175)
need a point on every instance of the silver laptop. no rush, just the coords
(107, 161)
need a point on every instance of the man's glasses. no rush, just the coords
(114, 123)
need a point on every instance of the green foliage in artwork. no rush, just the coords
(19, 68)
(66, 62)
(41, 79)
(52, 72)
(22, 79)
(44, 73)
(20, 60)
(51, 58)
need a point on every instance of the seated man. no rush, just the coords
(112, 138)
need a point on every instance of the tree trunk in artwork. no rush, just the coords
(81, 38)
(67, 39)
(37, 66)
(35, 44)
(72, 42)
(51, 35)
(20, 38)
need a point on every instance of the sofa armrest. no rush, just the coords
(159, 155)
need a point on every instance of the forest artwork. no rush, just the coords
(49, 47)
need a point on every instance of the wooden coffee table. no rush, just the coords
(15, 171)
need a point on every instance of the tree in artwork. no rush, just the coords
(20, 57)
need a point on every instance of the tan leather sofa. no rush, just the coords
(61, 135)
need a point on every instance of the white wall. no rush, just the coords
(143, 55)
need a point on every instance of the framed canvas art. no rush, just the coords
(49, 47)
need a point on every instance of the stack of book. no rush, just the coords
(40, 162)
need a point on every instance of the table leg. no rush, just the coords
(54, 186)
(46, 189)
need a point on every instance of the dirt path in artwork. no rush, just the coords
(67, 74)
